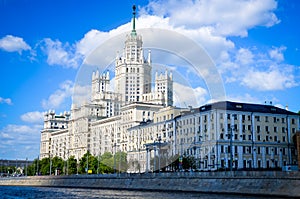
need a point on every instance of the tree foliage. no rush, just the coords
(106, 163)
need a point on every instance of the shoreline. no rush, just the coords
(261, 184)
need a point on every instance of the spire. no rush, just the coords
(133, 32)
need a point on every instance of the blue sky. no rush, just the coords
(255, 46)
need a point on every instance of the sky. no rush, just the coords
(254, 45)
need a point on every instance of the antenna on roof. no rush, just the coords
(133, 32)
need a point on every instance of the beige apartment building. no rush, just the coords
(221, 135)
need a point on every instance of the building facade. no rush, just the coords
(222, 135)
(142, 121)
(101, 124)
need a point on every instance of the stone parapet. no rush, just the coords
(279, 184)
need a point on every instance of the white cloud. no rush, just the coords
(15, 139)
(56, 99)
(244, 57)
(12, 43)
(61, 54)
(196, 96)
(206, 22)
(272, 79)
(245, 98)
(90, 41)
(230, 17)
(33, 117)
(277, 53)
(5, 101)
(82, 94)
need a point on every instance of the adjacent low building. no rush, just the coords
(221, 135)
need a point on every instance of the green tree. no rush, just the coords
(44, 166)
(107, 163)
(57, 164)
(188, 162)
(32, 169)
(121, 161)
(72, 165)
(86, 163)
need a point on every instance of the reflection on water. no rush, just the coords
(14, 192)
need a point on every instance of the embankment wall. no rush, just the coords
(277, 184)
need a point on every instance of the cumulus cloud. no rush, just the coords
(196, 97)
(90, 41)
(15, 139)
(33, 117)
(5, 101)
(272, 79)
(61, 54)
(230, 17)
(277, 53)
(12, 43)
(209, 23)
(245, 98)
(56, 99)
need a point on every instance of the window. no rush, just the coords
(267, 119)
(283, 152)
(267, 129)
(293, 121)
(243, 117)
(275, 129)
(258, 137)
(257, 118)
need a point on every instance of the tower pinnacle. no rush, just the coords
(133, 32)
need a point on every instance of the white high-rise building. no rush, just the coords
(101, 124)
(133, 72)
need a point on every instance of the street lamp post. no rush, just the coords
(147, 159)
(50, 166)
(115, 158)
(231, 155)
(26, 166)
(231, 151)
(159, 141)
(98, 168)
(87, 162)
(154, 163)
(37, 166)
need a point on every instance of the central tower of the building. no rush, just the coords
(133, 72)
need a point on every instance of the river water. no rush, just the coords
(19, 192)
